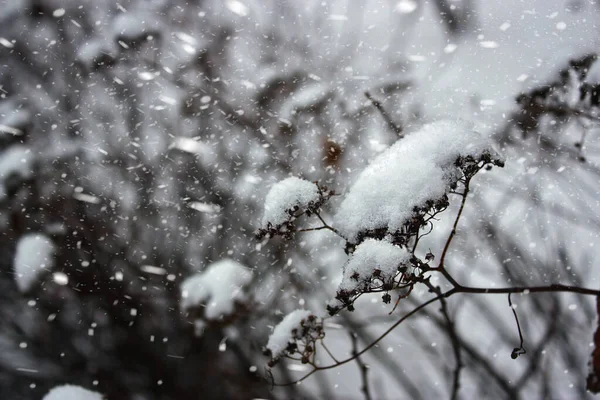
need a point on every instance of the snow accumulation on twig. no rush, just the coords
(418, 168)
(286, 195)
(373, 260)
(33, 257)
(296, 335)
(283, 334)
(218, 288)
(16, 160)
(71, 392)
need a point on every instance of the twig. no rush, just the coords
(441, 266)
(554, 288)
(373, 343)
(517, 351)
(363, 367)
(328, 351)
(388, 119)
(312, 229)
(327, 226)
(402, 296)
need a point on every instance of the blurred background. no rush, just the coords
(138, 140)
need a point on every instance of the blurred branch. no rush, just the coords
(364, 369)
(388, 119)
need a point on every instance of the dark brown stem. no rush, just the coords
(328, 351)
(441, 266)
(529, 289)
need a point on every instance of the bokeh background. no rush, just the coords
(138, 140)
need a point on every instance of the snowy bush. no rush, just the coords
(295, 335)
(34, 257)
(216, 294)
(71, 392)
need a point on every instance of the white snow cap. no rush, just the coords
(417, 168)
(285, 195)
(218, 287)
(71, 392)
(33, 257)
(282, 334)
(17, 160)
(369, 256)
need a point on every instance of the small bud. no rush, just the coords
(386, 298)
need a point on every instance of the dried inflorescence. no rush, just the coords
(295, 337)
(423, 215)
(292, 204)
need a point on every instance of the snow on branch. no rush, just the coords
(373, 266)
(286, 201)
(16, 161)
(217, 293)
(34, 256)
(392, 195)
(295, 334)
(71, 392)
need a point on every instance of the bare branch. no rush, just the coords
(364, 369)
(388, 119)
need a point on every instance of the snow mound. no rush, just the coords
(33, 257)
(16, 160)
(372, 260)
(418, 168)
(71, 392)
(218, 288)
(287, 195)
(286, 332)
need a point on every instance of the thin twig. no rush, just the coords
(373, 343)
(364, 369)
(388, 119)
(328, 351)
(327, 226)
(518, 350)
(554, 288)
(463, 201)
(312, 229)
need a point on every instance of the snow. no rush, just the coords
(71, 392)
(33, 257)
(218, 288)
(17, 160)
(282, 334)
(15, 120)
(415, 169)
(285, 195)
(304, 98)
(593, 75)
(95, 50)
(369, 256)
(135, 25)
